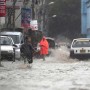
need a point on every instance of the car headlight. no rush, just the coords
(10, 51)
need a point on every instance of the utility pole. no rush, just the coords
(33, 13)
(14, 2)
(9, 17)
(11, 13)
(0, 41)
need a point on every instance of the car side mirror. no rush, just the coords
(14, 45)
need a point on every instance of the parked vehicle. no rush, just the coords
(80, 47)
(51, 42)
(7, 48)
(18, 40)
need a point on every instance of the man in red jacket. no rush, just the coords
(44, 46)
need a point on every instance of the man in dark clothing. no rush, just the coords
(27, 50)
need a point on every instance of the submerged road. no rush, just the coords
(58, 72)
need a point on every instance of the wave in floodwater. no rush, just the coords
(61, 55)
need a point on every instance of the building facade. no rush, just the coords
(36, 7)
(85, 17)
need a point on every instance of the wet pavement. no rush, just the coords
(58, 72)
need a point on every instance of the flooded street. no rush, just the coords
(58, 30)
(58, 72)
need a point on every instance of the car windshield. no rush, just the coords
(5, 41)
(81, 44)
(15, 38)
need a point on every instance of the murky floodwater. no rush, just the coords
(58, 72)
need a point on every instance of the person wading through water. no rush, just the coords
(44, 46)
(27, 50)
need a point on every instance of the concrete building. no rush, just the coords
(10, 12)
(85, 17)
(33, 4)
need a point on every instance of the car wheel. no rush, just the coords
(71, 54)
(11, 58)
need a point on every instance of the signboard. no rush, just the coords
(34, 24)
(2, 8)
(25, 17)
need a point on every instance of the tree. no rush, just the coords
(68, 20)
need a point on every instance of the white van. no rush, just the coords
(7, 48)
(18, 40)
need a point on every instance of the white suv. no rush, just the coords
(18, 41)
(80, 47)
(7, 48)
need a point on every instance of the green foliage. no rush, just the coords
(35, 35)
(68, 20)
